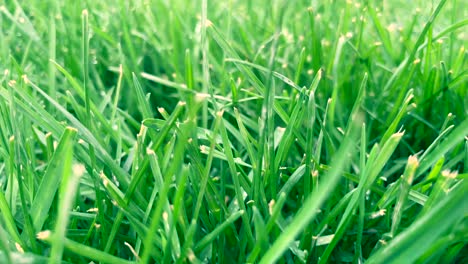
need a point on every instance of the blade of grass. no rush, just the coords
(235, 177)
(83, 250)
(415, 240)
(4, 250)
(9, 220)
(51, 180)
(310, 206)
(453, 139)
(377, 160)
(405, 185)
(209, 238)
(69, 185)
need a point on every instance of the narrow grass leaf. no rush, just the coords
(51, 180)
(416, 240)
(68, 187)
(310, 206)
(83, 250)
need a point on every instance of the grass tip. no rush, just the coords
(200, 97)
(378, 214)
(132, 250)
(208, 23)
(84, 13)
(19, 248)
(11, 139)
(340, 130)
(93, 210)
(71, 129)
(25, 78)
(449, 174)
(383, 242)
(413, 161)
(411, 96)
(104, 179)
(271, 205)
(398, 134)
(78, 170)
(191, 256)
(44, 235)
(142, 131)
(203, 149)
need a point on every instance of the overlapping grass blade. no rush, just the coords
(51, 180)
(415, 240)
(310, 206)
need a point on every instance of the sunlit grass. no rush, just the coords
(233, 132)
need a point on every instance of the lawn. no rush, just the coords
(237, 131)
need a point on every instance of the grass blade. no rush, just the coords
(51, 179)
(415, 240)
(66, 194)
(310, 206)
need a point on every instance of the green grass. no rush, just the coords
(233, 131)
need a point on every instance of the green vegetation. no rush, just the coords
(233, 131)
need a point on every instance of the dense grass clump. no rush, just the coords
(233, 131)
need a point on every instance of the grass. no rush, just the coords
(233, 132)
